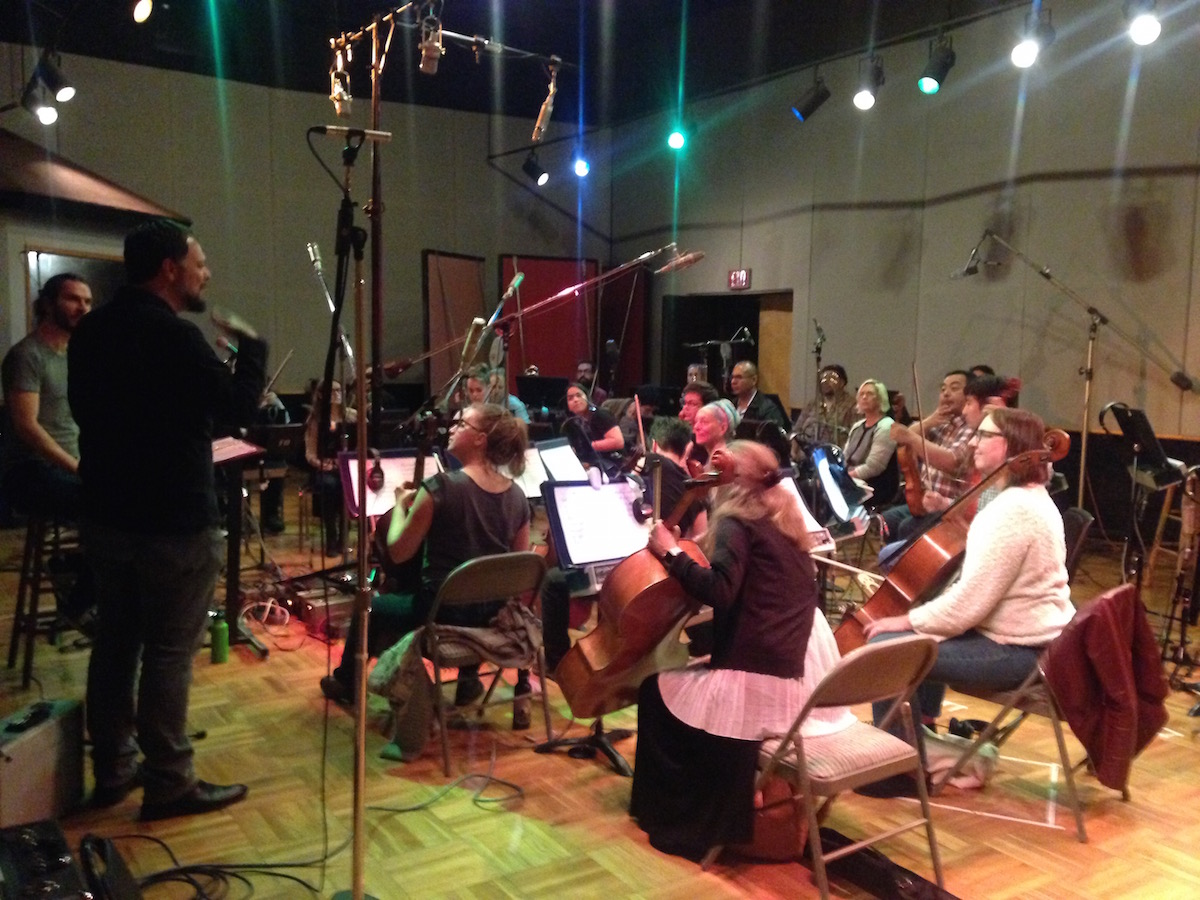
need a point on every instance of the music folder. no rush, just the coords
(593, 528)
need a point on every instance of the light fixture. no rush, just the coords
(52, 77)
(941, 61)
(1038, 35)
(582, 167)
(870, 78)
(533, 169)
(1144, 27)
(676, 139)
(141, 9)
(34, 101)
(431, 43)
(811, 100)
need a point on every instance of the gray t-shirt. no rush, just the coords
(32, 366)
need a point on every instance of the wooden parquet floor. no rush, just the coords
(554, 826)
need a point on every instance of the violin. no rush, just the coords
(406, 576)
(914, 488)
(925, 568)
(642, 610)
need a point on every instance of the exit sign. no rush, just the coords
(739, 279)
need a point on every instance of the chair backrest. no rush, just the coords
(494, 577)
(880, 671)
(1077, 523)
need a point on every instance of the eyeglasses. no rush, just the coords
(982, 434)
(469, 424)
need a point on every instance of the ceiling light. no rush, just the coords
(531, 168)
(870, 78)
(582, 167)
(1144, 27)
(52, 77)
(1039, 34)
(811, 100)
(676, 139)
(34, 100)
(941, 61)
(141, 10)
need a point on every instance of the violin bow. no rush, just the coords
(921, 419)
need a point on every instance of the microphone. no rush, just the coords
(472, 338)
(971, 267)
(233, 323)
(681, 261)
(314, 257)
(745, 336)
(547, 110)
(366, 134)
(820, 341)
(512, 286)
(431, 45)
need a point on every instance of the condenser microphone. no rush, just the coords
(547, 110)
(971, 267)
(314, 256)
(472, 339)
(513, 285)
(682, 261)
(366, 134)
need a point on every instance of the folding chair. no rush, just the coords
(828, 765)
(500, 576)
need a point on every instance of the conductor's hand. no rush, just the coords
(662, 539)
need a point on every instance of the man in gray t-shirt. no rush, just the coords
(40, 458)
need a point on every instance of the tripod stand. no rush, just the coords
(1187, 583)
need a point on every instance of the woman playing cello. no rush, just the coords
(771, 645)
(1012, 597)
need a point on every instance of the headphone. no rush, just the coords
(375, 475)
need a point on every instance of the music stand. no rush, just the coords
(542, 392)
(397, 466)
(230, 453)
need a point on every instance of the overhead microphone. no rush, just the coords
(431, 45)
(314, 256)
(367, 134)
(472, 339)
(972, 266)
(681, 261)
(547, 110)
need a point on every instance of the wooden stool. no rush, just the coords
(46, 539)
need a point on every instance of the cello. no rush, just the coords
(925, 568)
(642, 610)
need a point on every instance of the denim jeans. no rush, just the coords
(968, 659)
(153, 594)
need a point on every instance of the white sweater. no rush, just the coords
(1013, 586)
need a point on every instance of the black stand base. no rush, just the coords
(597, 740)
(242, 635)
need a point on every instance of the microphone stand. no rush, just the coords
(1096, 319)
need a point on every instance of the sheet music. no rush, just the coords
(533, 477)
(824, 540)
(598, 523)
(397, 471)
(560, 462)
(230, 448)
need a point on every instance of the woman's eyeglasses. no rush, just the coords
(983, 434)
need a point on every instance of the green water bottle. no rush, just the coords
(219, 638)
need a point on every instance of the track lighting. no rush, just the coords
(870, 78)
(941, 61)
(1144, 27)
(34, 101)
(52, 77)
(533, 169)
(811, 100)
(1038, 35)
(141, 9)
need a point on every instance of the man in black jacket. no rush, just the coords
(145, 387)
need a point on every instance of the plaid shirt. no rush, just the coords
(953, 436)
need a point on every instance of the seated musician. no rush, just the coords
(459, 515)
(1012, 598)
(941, 440)
(595, 434)
(749, 402)
(670, 440)
(321, 446)
(869, 448)
(826, 419)
(586, 375)
(700, 728)
(486, 385)
(712, 429)
(695, 395)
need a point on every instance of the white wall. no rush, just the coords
(232, 157)
(865, 215)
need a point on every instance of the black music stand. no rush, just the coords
(230, 455)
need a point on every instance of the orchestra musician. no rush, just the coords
(595, 428)
(827, 418)
(145, 387)
(869, 447)
(750, 403)
(457, 515)
(586, 375)
(486, 385)
(712, 428)
(670, 439)
(1012, 598)
(700, 729)
(695, 395)
(321, 446)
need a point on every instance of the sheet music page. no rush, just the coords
(825, 541)
(397, 470)
(562, 464)
(227, 448)
(533, 477)
(598, 523)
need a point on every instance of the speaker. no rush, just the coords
(41, 762)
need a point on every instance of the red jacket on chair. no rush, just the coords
(1105, 673)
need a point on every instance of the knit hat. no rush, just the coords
(726, 412)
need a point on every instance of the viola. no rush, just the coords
(641, 611)
(923, 570)
(914, 488)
